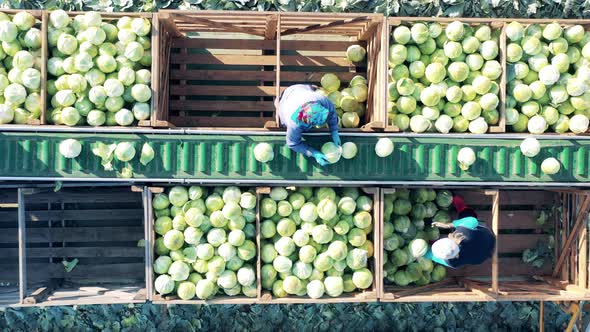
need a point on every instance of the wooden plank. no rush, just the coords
(259, 44)
(149, 241)
(579, 224)
(278, 73)
(517, 243)
(473, 197)
(104, 195)
(41, 293)
(223, 90)
(75, 234)
(220, 122)
(511, 266)
(246, 75)
(22, 242)
(271, 27)
(322, 26)
(226, 105)
(527, 197)
(226, 26)
(258, 60)
(95, 272)
(416, 290)
(495, 222)
(513, 219)
(44, 58)
(583, 258)
(75, 252)
(480, 290)
(92, 214)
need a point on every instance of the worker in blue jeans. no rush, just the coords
(471, 243)
(301, 109)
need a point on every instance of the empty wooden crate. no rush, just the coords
(9, 247)
(216, 69)
(523, 220)
(81, 245)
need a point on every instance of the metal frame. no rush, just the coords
(180, 131)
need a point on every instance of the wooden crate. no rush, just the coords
(42, 18)
(224, 70)
(111, 17)
(173, 298)
(9, 247)
(368, 295)
(313, 44)
(512, 215)
(216, 69)
(493, 23)
(564, 23)
(99, 226)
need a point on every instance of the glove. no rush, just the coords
(336, 138)
(320, 158)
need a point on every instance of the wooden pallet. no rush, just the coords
(100, 227)
(225, 70)
(495, 24)
(367, 295)
(512, 215)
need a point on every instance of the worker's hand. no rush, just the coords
(336, 138)
(321, 158)
(442, 225)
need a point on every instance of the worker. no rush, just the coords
(301, 109)
(471, 243)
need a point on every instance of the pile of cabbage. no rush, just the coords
(444, 79)
(316, 242)
(205, 243)
(548, 78)
(407, 232)
(99, 70)
(350, 102)
(20, 68)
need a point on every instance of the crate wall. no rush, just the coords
(99, 227)
(9, 290)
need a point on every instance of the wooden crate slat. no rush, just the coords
(98, 272)
(214, 59)
(84, 234)
(219, 122)
(81, 252)
(517, 243)
(209, 105)
(115, 214)
(223, 43)
(107, 196)
(519, 219)
(259, 60)
(222, 90)
(473, 197)
(244, 75)
(222, 75)
(519, 198)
